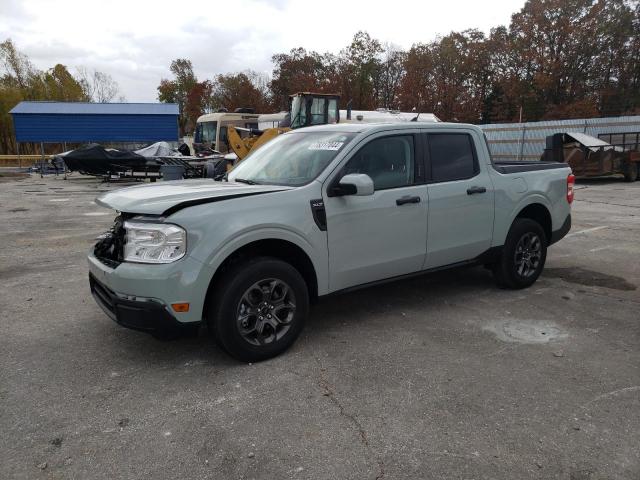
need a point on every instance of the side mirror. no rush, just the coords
(354, 184)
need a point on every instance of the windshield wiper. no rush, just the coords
(244, 180)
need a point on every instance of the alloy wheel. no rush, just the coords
(528, 254)
(265, 311)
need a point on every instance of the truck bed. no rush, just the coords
(526, 166)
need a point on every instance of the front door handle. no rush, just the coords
(474, 190)
(407, 199)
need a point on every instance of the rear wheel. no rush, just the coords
(259, 309)
(523, 256)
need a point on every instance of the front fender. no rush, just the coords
(317, 253)
(266, 232)
(216, 231)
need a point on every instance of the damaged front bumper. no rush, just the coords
(127, 290)
(144, 314)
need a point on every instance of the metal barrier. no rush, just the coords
(21, 160)
(526, 141)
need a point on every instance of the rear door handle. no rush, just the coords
(407, 199)
(474, 190)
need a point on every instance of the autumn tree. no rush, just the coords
(199, 101)
(242, 90)
(450, 77)
(415, 91)
(553, 39)
(300, 71)
(98, 86)
(617, 65)
(183, 90)
(20, 80)
(18, 70)
(555, 59)
(17, 73)
(358, 69)
(59, 85)
(631, 74)
(388, 77)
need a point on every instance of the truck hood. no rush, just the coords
(168, 197)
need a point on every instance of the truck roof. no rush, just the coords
(373, 127)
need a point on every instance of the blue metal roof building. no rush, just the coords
(52, 122)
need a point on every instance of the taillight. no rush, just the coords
(571, 181)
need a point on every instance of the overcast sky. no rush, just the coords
(134, 40)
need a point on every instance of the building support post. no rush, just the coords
(42, 160)
(524, 129)
(64, 165)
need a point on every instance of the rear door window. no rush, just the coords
(452, 157)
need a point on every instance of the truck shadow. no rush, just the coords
(418, 293)
(335, 312)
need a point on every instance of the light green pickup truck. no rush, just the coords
(316, 211)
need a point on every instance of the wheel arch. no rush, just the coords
(540, 214)
(281, 249)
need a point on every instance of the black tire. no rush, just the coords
(631, 172)
(520, 265)
(248, 293)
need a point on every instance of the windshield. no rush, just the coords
(298, 116)
(317, 111)
(291, 159)
(206, 132)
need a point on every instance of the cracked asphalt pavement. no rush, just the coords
(442, 376)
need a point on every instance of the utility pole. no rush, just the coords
(522, 138)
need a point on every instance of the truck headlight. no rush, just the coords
(154, 242)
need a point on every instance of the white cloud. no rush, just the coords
(134, 41)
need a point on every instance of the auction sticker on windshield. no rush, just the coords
(329, 146)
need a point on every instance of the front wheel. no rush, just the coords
(259, 309)
(523, 255)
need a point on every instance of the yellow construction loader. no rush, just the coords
(241, 146)
(306, 109)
